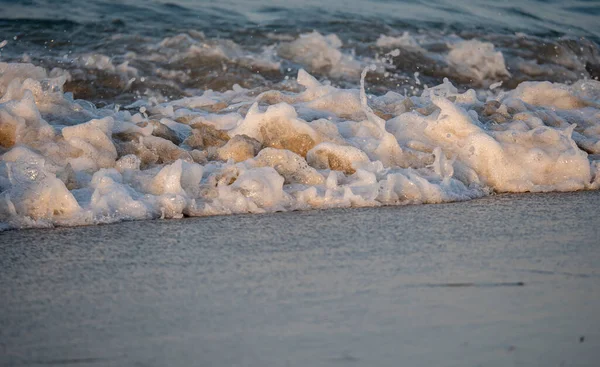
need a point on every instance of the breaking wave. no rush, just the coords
(296, 144)
(127, 111)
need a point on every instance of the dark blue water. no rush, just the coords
(578, 18)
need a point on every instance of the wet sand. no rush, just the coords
(507, 280)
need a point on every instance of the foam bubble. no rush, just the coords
(405, 41)
(477, 60)
(321, 53)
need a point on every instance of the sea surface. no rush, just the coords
(137, 110)
(547, 35)
(507, 280)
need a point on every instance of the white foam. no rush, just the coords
(477, 60)
(405, 41)
(185, 46)
(320, 147)
(321, 53)
(97, 61)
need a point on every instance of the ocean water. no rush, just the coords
(507, 280)
(248, 183)
(133, 110)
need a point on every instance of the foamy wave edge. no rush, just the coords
(65, 162)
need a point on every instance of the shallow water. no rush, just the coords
(113, 111)
(508, 280)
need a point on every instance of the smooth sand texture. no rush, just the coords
(509, 280)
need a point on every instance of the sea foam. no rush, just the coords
(65, 162)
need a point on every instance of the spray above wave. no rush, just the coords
(308, 145)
